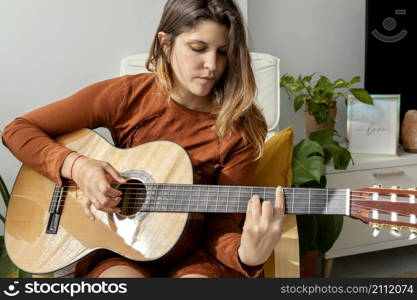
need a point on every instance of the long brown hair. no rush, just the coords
(235, 91)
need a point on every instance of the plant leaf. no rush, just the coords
(324, 136)
(323, 83)
(4, 192)
(296, 87)
(340, 83)
(308, 78)
(362, 95)
(299, 101)
(307, 148)
(354, 81)
(341, 156)
(332, 149)
(286, 80)
(308, 162)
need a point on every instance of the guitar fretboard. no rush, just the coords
(234, 199)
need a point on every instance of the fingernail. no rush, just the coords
(280, 189)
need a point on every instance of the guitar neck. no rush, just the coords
(234, 199)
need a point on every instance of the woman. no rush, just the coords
(200, 94)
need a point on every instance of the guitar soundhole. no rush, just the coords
(134, 195)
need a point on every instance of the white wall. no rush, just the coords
(50, 49)
(326, 36)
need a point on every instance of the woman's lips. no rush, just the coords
(206, 79)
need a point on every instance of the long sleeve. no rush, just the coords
(223, 231)
(30, 137)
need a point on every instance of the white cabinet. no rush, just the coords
(356, 236)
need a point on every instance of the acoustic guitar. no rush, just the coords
(47, 230)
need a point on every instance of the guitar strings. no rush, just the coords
(242, 194)
(165, 202)
(218, 194)
(169, 204)
(288, 211)
(204, 185)
(193, 187)
(229, 202)
(71, 185)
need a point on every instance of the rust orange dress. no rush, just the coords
(135, 112)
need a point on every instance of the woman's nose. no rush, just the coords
(210, 61)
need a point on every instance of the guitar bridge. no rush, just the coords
(55, 208)
(53, 223)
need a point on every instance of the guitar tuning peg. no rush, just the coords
(412, 189)
(395, 187)
(413, 234)
(395, 232)
(377, 230)
(377, 186)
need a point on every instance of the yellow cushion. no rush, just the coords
(275, 169)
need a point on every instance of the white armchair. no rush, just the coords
(266, 70)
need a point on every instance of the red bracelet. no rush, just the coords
(73, 162)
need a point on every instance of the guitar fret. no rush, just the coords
(175, 196)
(240, 192)
(227, 199)
(217, 200)
(152, 197)
(327, 200)
(165, 198)
(182, 199)
(293, 200)
(198, 197)
(169, 200)
(208, 195)
(161, 197)
(157, 197)
(166, 202)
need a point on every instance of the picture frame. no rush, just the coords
(374, 129)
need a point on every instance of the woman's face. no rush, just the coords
(198, 59)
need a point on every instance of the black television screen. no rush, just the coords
(389, 45)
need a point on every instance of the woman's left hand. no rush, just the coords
(262, 229)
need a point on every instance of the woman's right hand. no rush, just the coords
(96, 180)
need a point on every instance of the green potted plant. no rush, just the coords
(319, 97)
(317, 233)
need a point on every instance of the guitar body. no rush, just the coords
(143, 236)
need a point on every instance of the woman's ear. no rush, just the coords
(165, 41)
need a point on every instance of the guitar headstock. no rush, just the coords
(392, 208)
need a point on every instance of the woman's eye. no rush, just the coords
(197, 49)
(224, 53)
